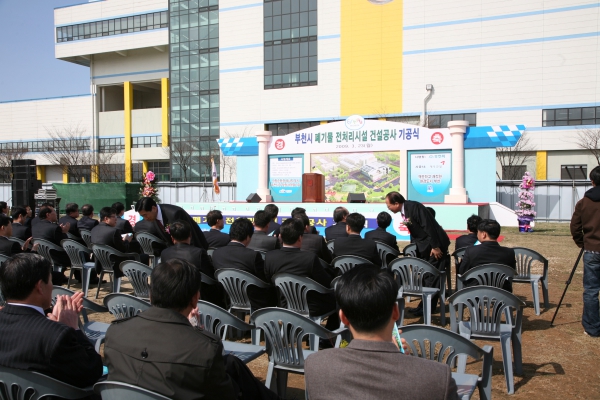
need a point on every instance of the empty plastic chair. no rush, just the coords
(487, 275)
(410, 273)
(124, 306)
(104, 253)
(525, 258)
(147, 241)
(441, 345)
(138, 274)
(410, 250)
(487, 305)
(111, 390)
(80, 259)
(33, 386)
(386, 251)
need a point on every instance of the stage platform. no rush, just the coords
(452, 217)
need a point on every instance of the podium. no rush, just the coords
(313, 188)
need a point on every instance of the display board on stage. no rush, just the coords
(430, 176)
(285, 177)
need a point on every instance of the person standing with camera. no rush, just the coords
(585, 229)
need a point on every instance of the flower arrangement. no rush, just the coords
(525, 212)
(148, 186)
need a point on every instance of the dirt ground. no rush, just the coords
(558, 361)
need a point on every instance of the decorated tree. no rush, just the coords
(148, 186)
(525, 212)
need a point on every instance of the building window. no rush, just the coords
(111, 145)
(573, 172)
(290, 43)
(162, 170)
(441, 121)
(284, 129)
(42, 146)
(146, 141)
(194, 87)
(571, 116)
(111, 27)
(79, 173)
(513, 172)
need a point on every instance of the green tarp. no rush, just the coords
(97, 194)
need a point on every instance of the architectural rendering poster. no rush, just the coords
(430, 176)
(372, 173)
(285, 177)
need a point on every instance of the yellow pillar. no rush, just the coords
(371, 57)
(65, 175)
(382, 119)
(541, 165)
(95, 173)
(144, 166)
(41, 172)
(323, 122)
(164, 91)
(128, 99)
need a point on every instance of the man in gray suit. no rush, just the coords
(372, 366)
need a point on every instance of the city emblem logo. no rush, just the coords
(279, 144)
(355, 122)
(437, 138)
(380, 2)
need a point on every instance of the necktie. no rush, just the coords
(160, 225)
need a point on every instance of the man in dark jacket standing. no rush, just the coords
(585, 229)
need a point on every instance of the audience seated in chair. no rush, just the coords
(272, 211)
(261, 241)
(384, 219)
(20, 228)
(87, 222)
(489, 251)
(190, 367)
(181, 234)
(72, 213)
(237, 255)
(7, 247)
(47, 229)
(471, 238)
(339, 229)
(291, 260)
(372, 366)
(122, 224)
(106, 233)
(313, 242)
(52, 345)
(354, 245)
(215, 237)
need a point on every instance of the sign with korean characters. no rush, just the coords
(285, 177)
(430, 175)
(359, 134)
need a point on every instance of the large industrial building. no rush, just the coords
(169, 77)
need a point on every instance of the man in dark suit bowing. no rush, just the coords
(106, 233)
(431, 240)
(469, 239)
(291, 260)
(158, 217)
(237, 255)
(339, 229)
(261, 241)
(52, 345)
(488, 252)
(380, 234)
(354, 245)
(215, 238)
(19, 226)
(181, 234)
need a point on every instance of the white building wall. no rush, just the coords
(111, 124)
(136, 66)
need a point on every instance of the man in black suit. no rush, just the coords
(87, 222)
(215, 238)
(354, 245)
(19, 227)
(237, 255)
(488, 252)
(295, 213)
(122, 224)
(384, 220)
(261, 241)
(29, 218)
(158, 217)
(106, 233)
(35, 220)
(47, 229)
(3, 208)
(339, 229)
(72, 210)
(52, 345)
(469, 240)
(7, 247)
(182, 249)
(291, 260)
(313, 242)
(272, 211)
(431, 240)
